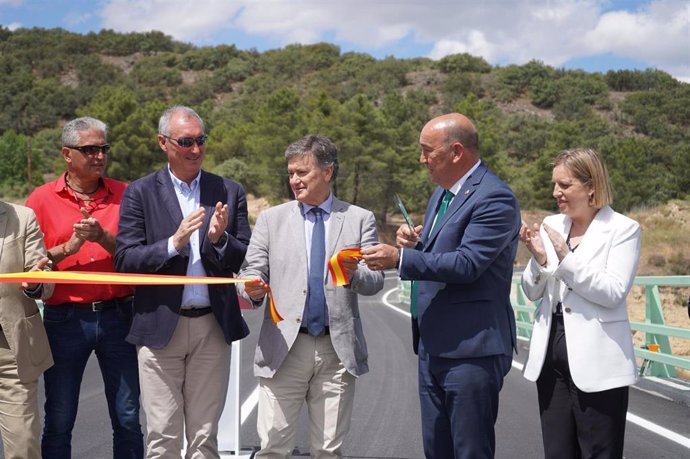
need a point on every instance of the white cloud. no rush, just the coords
(14, 26)
(501, 31)
(659, 33)
(475, 44)
(184, 20)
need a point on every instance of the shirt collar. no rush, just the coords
(179, 184)
(455, 189)
(325, 206)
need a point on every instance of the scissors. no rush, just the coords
(406, 216)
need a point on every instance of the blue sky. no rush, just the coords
(594, 35)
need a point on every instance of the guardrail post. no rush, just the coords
(230, 422)
(521, 315)
(404, 292)
(654, 314)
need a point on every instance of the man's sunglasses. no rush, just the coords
(92, 150)
(188, 142)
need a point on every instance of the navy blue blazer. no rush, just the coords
(150, 213)
(465, 270)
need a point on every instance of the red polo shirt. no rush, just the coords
(57, 209)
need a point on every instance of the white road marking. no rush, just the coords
(657, 429)
(384, 300)
(249, 405)
(652, 392)
(666, 382)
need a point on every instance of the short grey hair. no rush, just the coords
(164, 121)
(321, 147)
(71, 133)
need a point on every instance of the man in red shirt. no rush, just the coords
(78, 214)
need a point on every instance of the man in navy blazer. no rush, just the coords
(181, 221)
(461, 263)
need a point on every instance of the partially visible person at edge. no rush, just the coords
(78, 214)
(182, 220)
(317, 352)
(461, 265)
(24, 349)
(583, 265)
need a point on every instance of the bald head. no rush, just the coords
(457, 128)
(450, 147)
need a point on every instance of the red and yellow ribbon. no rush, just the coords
(335, 265)
(80, 277)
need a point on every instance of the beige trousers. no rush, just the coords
(19, 419)
(313, 372)
(183, 388)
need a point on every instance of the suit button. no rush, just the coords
(568, 310)
(298, 320)
(569, 289)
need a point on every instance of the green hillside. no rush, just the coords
(255, 104)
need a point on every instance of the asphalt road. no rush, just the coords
(386, 421)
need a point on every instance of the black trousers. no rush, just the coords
(577, 424)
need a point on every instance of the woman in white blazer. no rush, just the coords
(581, 353)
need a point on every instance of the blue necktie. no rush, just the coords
(316, 301)
(447, 196)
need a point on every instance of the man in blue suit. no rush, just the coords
(182, 220)
(461, 263)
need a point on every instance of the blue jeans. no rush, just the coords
(73, 334)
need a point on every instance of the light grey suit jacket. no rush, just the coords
(277, 253)
(21, 247)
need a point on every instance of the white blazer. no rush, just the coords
(592, 283)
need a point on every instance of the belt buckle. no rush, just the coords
(97, 306)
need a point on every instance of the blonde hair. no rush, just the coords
(587, 166)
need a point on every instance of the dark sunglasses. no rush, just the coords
(188, 142)
(92, 150)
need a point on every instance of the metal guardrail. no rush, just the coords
(658, 360)
(656, 355)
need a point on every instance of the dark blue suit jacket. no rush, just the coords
(150, 213)
(464, 269)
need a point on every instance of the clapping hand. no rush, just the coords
(531, 237)
(88, 228)
(188, 225)
(219, 221)
(559, 244)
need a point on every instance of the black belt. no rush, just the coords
(94, 306)
(195, 312)
(305, 330)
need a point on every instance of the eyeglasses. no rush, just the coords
(188, 142)
(92, 150)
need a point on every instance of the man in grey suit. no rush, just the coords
(318, 350)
